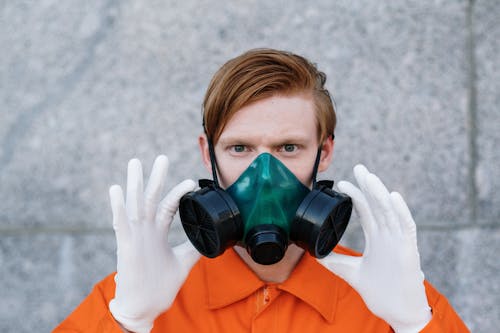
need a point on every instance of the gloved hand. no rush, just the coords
(149, 271)
(388, 275)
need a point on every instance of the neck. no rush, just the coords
(276, 273)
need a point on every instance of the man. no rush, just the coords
(267, 114)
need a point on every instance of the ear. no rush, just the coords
(205, 154)
(326, 154)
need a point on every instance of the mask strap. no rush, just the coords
(211, 152)
(316, 164)
(315, 169)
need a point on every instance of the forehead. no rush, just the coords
(276, 117)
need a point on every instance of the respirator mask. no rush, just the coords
(264, 210)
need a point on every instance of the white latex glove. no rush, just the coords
(388, 275)
(149, 271)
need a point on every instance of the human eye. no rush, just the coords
(238, 148)
(289, 148)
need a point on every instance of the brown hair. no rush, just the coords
(261, 73)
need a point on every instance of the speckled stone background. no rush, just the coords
(87, 85)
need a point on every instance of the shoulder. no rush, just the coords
(106, 287)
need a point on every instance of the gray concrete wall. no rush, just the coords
(87, 85)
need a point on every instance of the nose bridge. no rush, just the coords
(266, 167)
(264, 149)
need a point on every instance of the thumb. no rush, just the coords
(168, 206)
(120, 220)
(346, 267)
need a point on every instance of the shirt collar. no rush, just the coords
(315, 285)
(229, 279)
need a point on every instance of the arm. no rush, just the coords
(149, 271)
(388, 275)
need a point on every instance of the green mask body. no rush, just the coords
(265, 209)
(267, 194)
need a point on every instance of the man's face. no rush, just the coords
(284, 126)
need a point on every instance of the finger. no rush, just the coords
(378, 198)
(187, 255)
(360, 206)
(120, 224)
(403, 214)
(135, 194)
(347, 267)
(407, 224)
(168, 206)
(360, 173)
(155, 186)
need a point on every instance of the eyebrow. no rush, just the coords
(242, 139)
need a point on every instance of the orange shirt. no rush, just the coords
(224, 295)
